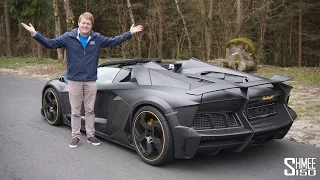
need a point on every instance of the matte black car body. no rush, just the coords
(207, 108)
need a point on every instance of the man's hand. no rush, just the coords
(135, 29)
(29, 28)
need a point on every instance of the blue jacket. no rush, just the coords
(82, 63)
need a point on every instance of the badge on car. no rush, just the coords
(266, 98)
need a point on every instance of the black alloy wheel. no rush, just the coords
(51, 107)
(152, 136)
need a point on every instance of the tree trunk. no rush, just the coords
(300, 35)
(207, 18)
(152, 32)
(209, 37)
(34, 44)
(3, 52)
(239, 18)
(69, 20)
(263, 25)
(138, 35)
(57, 31)
(160, 8)
(40, 48)
(47, 29)
(122, 17)
(69, 15)
(185, 27)
(130, 12)
(8, 32)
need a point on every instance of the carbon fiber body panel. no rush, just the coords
(208, 108)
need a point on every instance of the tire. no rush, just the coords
(152, 136)
(51, 107)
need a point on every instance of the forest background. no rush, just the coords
(285, 32)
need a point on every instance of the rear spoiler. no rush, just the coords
(127, 62)
(219, 84)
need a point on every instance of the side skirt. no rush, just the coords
(67, 121)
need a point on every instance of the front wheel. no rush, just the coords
(152, 136)
(51, 107)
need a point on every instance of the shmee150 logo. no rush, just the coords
(300, 167)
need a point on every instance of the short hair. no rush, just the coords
(86, 15)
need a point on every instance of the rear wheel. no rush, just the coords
(152, 136)
(51, 107)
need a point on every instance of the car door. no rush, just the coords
(115, 109)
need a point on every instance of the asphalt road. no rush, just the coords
(31, 149)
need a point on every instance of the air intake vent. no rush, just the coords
(215, 121)
(202, 121)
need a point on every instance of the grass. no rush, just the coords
(309, 75)
(301, 75)
(16, 63)
(309, 112)
(20, 62)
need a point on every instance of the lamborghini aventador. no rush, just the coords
(191, 107)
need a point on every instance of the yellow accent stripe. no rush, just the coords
(164, 138)
(55, 99)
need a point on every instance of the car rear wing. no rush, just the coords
(219, 84)
(128, 62)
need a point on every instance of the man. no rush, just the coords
(83, 47)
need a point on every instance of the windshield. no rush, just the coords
(106, 74)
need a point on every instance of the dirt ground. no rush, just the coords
(304, 99)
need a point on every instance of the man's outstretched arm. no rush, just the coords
(58, 42)
(109, 42)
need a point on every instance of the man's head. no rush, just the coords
(85, 23)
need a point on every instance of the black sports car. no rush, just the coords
(191, 108)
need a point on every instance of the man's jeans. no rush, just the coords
(82, 91)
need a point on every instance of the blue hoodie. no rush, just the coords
(82, 63)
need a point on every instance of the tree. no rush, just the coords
(239, 18)
(69, 15)
(69, 20)
(179, 28)
(264, 17)
(57, 23)
(185, 27)
(160, 10)
(35, 11)
(133, 23)
(8, 32)
(207, 19)
(300, 34)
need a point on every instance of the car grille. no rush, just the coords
(262, 111)
(215, 121)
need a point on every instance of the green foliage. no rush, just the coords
(26, 9)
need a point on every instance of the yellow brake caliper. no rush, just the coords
(149, 122)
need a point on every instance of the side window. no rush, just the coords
(124, 75)
(106, 74)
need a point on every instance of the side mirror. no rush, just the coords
(63, 78)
